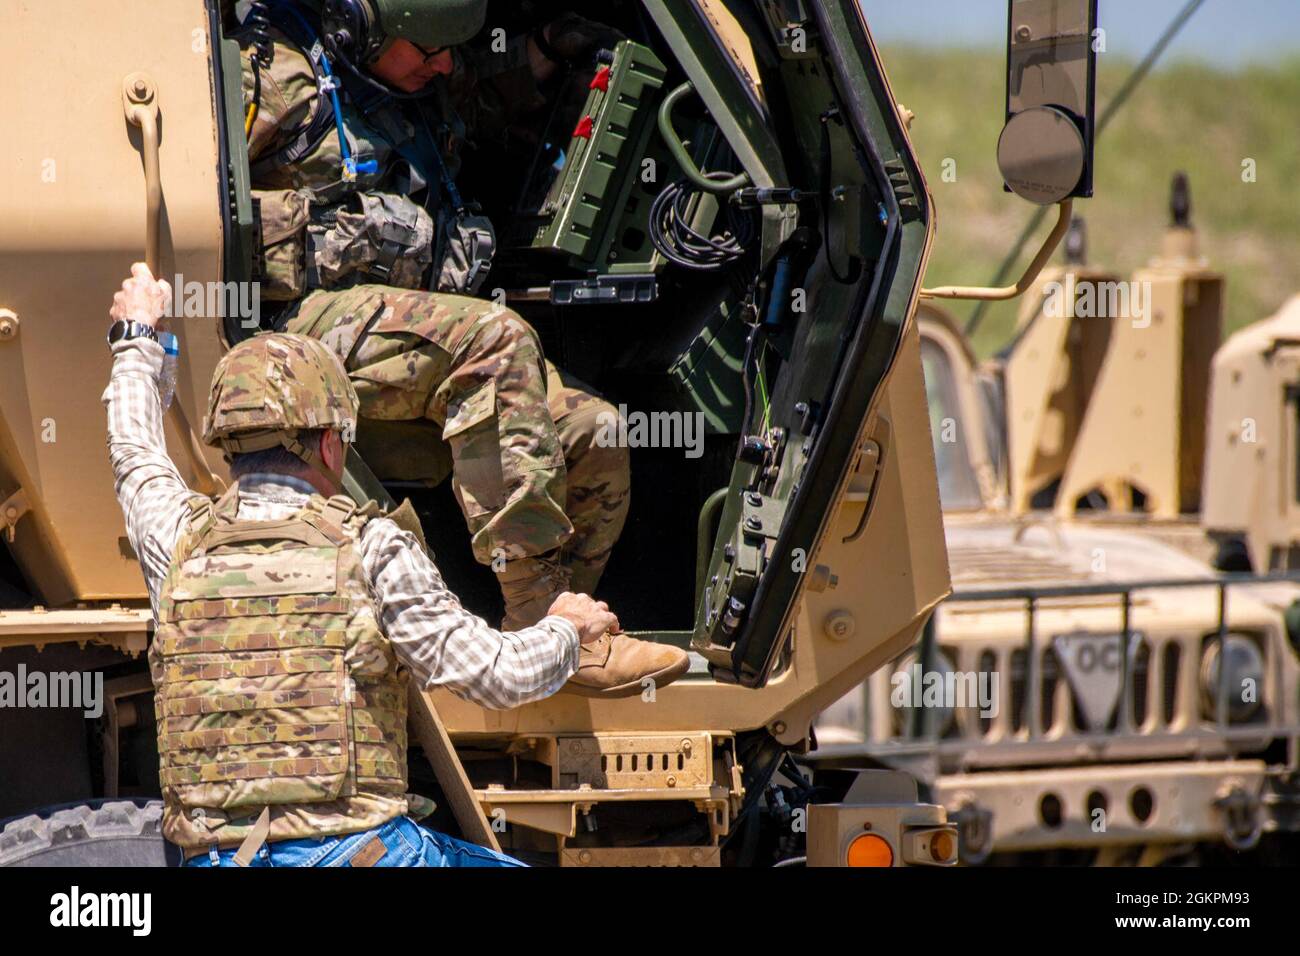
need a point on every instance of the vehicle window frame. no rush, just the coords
(974, 435)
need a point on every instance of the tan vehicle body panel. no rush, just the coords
(55, 365)
(1182, 794)
(1253, 431)
(127, 629)
(1153, 439)
(1049, 379)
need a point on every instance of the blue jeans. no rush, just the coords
(403, 842)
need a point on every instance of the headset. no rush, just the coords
(352, 34)
(353, 29)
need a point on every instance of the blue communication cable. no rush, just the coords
(350, 166)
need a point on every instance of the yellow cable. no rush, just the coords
(248, 120)
(762, 389)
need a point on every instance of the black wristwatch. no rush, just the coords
(122, 329)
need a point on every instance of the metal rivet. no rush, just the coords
(8, 324)
(839, 625)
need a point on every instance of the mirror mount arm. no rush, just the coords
(1011, 291)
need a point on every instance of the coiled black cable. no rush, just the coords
(676, 241)
(258, 23)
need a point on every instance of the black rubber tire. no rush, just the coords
(107, 833)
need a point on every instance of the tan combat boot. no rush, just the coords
(529, 587)
(619, 666)
(613, 666)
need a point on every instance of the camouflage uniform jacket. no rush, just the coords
(487, 89)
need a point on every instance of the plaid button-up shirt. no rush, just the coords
(441, 643)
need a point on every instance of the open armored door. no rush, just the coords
(804, 104)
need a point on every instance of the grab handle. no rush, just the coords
(683, 156)
(140, 101)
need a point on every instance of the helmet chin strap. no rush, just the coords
(314, 460)
(244, 444)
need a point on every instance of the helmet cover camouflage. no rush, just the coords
(278, 384)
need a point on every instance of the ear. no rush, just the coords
(332, 453)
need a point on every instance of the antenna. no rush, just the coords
(1180, 202)
(1076, 243)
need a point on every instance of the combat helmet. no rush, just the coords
(367, 27)
(268, 389)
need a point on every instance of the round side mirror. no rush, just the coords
(1041, 154)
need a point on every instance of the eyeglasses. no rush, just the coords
(430, 54)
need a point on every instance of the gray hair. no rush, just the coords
(277, 460)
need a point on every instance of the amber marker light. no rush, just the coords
(870, 850)
(943, 847)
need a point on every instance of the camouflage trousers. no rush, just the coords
(451, 384)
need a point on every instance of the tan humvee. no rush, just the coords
(1070, 471)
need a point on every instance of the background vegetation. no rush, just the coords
(1186, 116)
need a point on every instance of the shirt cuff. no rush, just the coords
(563, 628)
(138, 355)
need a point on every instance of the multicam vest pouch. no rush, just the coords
(275, 687)
(373, 237)
(469, 245)
(283, 216)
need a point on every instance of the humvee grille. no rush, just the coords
(1062, 682)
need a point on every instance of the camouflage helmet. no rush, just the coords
(268, 388)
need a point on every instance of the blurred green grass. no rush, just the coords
(1185, 116)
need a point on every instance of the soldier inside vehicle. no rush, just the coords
(443, 206)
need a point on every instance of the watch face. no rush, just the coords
(123, 329)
